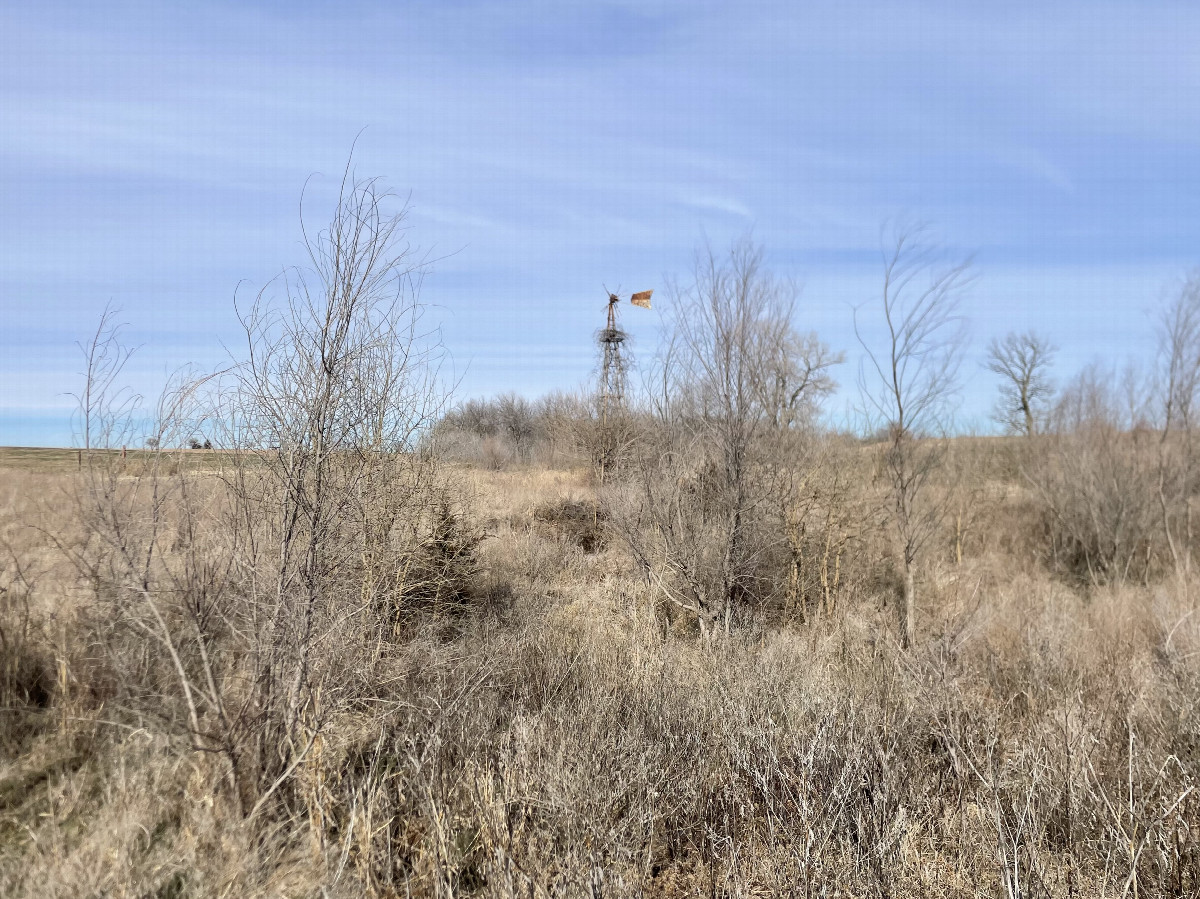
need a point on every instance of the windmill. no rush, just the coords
(613, 369)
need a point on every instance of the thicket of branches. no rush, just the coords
(246, 608)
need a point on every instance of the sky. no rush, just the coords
(153, 156)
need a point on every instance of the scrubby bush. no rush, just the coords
(581, 522)
(1095, 474)
(512, 430)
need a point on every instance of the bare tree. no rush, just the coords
(105, 409)
(1022, 361)
(796, 378)
(735, 371)
(908, 378)
(518, 422)
(799, 463)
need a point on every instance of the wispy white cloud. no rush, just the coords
(153, 154)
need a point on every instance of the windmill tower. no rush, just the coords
(612, 362)
(613, 369)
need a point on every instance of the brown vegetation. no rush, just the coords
(560, 732)
(354, 652)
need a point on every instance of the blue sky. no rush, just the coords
(152, 156)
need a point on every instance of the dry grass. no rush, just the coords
(561, 740)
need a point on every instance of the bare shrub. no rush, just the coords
(1096, 476)
(245, 606)
(557, 429)
(568, 428)
(822, 514)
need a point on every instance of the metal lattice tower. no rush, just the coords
(613, 370)
(612, 363)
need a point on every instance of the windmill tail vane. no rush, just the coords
(641, 299)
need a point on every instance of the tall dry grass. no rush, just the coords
(560, 737)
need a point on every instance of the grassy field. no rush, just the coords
(56, 460)
(560, 730)
(40, 459)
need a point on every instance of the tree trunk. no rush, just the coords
(910, 606)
